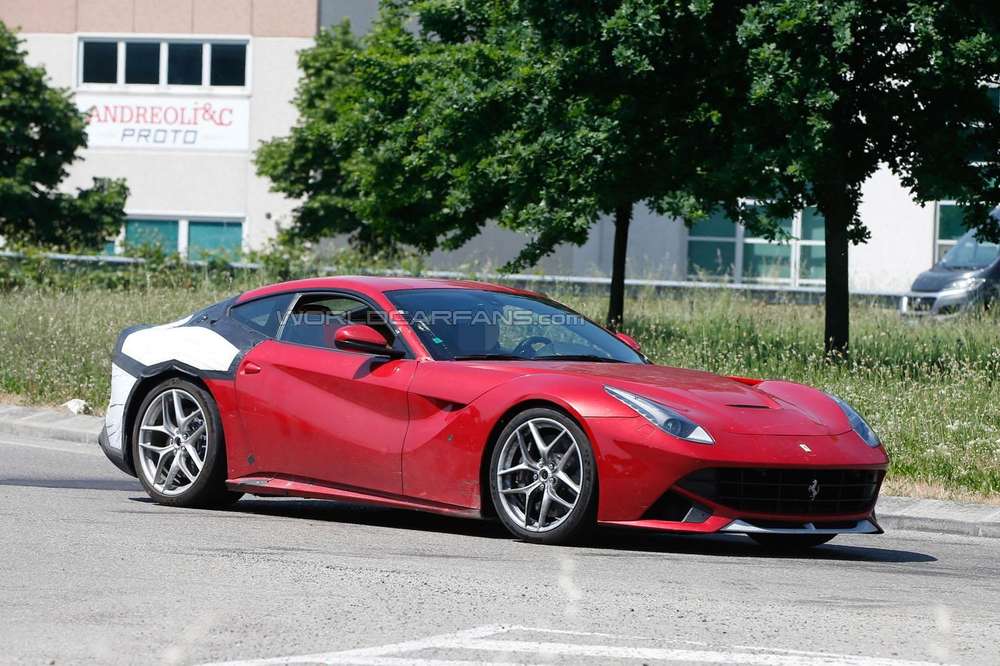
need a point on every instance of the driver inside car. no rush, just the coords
(481, 335)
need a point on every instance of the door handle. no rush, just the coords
(250, 368)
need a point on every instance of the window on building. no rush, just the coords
(994, 95)
(720, 249)
(812, 246)
(149, 232)
(768, 261)
(950, 227)
(165, 63)
(712, 248)
(184, 64)
(208, 238)
(100, 62)
(142, 62)
(192, 238)
(229, 64)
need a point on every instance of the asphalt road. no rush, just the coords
(91, 571)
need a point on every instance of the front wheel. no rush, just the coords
(790, 542)
(178, 447)
(543, 479)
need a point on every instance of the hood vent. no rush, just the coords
(738, 406)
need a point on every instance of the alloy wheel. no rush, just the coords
(173, 442)
(540, 474)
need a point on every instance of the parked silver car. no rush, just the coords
(969, 274)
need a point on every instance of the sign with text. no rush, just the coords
(150, 122)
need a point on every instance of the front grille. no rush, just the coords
(806, 492)
(922, 303)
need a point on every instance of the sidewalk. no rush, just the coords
(62, 425)
(894, 513)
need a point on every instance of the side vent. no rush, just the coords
(445, 405)
(677, 508)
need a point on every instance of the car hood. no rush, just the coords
(724, 403)
(720, 404)
(939, 278)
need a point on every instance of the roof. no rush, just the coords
(373, 284)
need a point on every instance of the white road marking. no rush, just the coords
(600, 634)
(408, 661)
(709, 656)
(483, 639)
(394, 648)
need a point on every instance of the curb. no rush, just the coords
(61, 425)
(943, 517)
(892, 512)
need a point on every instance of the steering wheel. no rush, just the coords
(526, 347)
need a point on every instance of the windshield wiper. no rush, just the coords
(489, 357)
(576, 357)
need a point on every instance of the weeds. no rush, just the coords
(930, 388)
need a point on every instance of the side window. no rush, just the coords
(263, 314)
(316, 317)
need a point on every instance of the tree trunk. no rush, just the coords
(616, 301)
(837, 210)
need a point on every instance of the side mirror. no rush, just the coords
(364, 339)
(629, 340)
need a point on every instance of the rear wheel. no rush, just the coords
(178, 447)
(791, 542)
(543, 478)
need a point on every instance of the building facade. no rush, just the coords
(180, 93)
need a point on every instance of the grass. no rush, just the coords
(930, 388)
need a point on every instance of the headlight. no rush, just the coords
(663, 417)
(965, 284)
(858, 424)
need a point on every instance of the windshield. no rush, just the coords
(468, 324)
(969, 253)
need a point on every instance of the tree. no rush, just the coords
(838, 88)
(40, 133)
(542, 118)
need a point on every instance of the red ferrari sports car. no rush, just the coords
(478, 400)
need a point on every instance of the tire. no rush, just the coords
(568, 461)
(156, 453)
(790, 542)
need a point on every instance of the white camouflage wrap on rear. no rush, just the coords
(196, 347)
(121, 387)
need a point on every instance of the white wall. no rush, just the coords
(272, 113)
(186, 183)
(903, 237)
(54, 52)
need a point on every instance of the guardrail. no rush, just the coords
(114, 260)
(771, 292)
